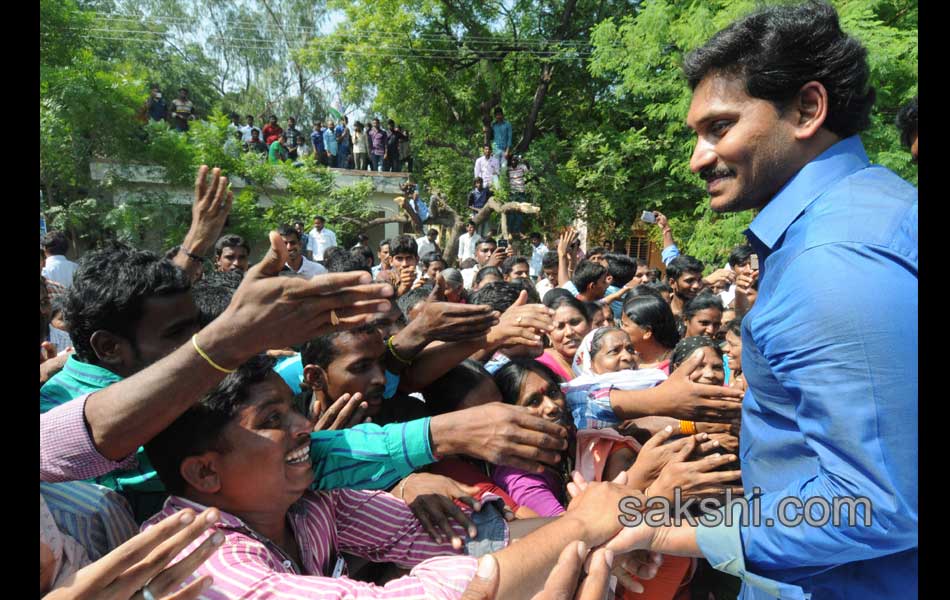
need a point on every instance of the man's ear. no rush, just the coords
(315, 378)
(810, 110)
(109, 348)
(201, 472)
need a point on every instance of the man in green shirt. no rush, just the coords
(277, 152)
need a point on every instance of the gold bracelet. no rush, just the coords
(194, 342)
(392, 349)
(688, 427)
(402, 487)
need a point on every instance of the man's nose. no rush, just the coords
(702, 157)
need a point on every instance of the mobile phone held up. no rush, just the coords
(502, 243)
(754, 262)
(648, 217)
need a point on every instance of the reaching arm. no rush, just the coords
(208, 213)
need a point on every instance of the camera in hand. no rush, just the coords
(502, 243)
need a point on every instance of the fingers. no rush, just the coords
(689, 444)
(522, 298)
(171, 578)
(562, 581)
(220, 197)
(713, 461)
(193, 590)
(273, 261)
(331, 413)
(707, 447)
(201, 183)
(348, 413)
(421, 511)
(530, 423)
(528, 458)
(659, 437)
(594, 586)
(485, 583)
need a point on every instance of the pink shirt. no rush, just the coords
(549, 361)
(373, 525)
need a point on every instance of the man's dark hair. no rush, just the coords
(199, 429)
(907, 123)
(621, 268)
(433, 231)
(487, 240)
(321, 351)
(485, 272)
(332, 253)
(778, 49)
(549, 260)
(109, 289)
(363, 253)
(649, 311)
(249, 117)
(410, 299)
(319, 218)
(659, 286)
(343, 261)
(740, 255)
(498, 111)
(403, 244)
(431, 257)
(597, 250)
(499, 295)
(586, 273)
(509, 263)
(470, 222)
(468, 263)
(534, 235)
(683, 264)
(287, 231)
(230, 240)
(213, 293)
(526, 284)
(384, 243)
(55, 243)
(362, 237)
(444, 394)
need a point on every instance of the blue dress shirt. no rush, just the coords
(830, 355)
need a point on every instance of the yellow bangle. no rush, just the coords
(688, 427)
(194, 342)
(392, 349)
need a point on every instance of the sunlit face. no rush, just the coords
(470, 229)
(318, 224)
(265, 464)
(705, 322)
(615, 354)
(636, 333)
(597, 290)
(486, 151)
(435, 267)
(570, 327)
(744, 145)
(484, 252)
(734, 351)
(404, 259)
(358, 367)
(384, 255)
(544, 398)
(292, 243)
(598, 320)
(551, 275)
(233, 258)
(688, 285)
(519, 271)
(642, 276)
(711, 370)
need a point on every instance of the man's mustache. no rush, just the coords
(715, 172)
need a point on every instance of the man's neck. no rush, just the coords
(586, 297)
(299, 262)
(677, 303)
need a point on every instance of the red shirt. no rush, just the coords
(271, 133)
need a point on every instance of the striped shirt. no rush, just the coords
(95, 516)
(372, 525)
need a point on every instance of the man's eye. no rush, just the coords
(720, 127)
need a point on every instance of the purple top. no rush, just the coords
(536, 491)
(67, 452)
(377, 141)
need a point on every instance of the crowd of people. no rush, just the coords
(397, 422)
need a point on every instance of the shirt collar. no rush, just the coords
(56, 259)
(89, 375)
(798, 193)
(224, 519)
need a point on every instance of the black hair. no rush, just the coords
(592, 309)
(230, 240)
(551, 294)
(498, 111)
(734, 326)
(383, 243)
(687, 346)
(363, 253)
(487, 240)
(403, 244)
(431, 257)
(597, 250)
(556, 301)
(740, 254)
(320, 350)
(199, 428)
(432, 230)
(485, 272)
(660, 286)
(549, 260)
(362, 237)
(509, 263)
(410, 299)
(444, 394)
(701, 301)
(778, 49)
(55, 243)
(587, 273)
(470, 222)
(598, 337)
(287, 231)
(343, 261)
(651, 312)
(510, 378)
(644, 289)
(109, 289)
(499, 295)
(526, 284)
(468, 263)
(640, 262)
(683, 264)
(534, 235)
(621, 268)
(319, 218)
(213, 293)
(906, 122)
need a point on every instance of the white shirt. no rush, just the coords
(320, 241)
(537, 254)
(60, 269)
(424, 246)
(246, 132)
(543, 287)
(467, 244)
(309, 268)
(486, 168)
(468, 276)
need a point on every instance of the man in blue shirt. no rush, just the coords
(501, 138)
(829, 349)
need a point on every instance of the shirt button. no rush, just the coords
(287, 564)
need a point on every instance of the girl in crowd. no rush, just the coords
(596, 314)
(712, 370)
(733, 351)
(486, 275)
(571, 324)
(526, 382)
(702, 316)
(650, 323)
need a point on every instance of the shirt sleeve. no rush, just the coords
(67, 452)
(529, 489)
(369, 456)
(380, 527)
(669, 253)
(847, 361)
